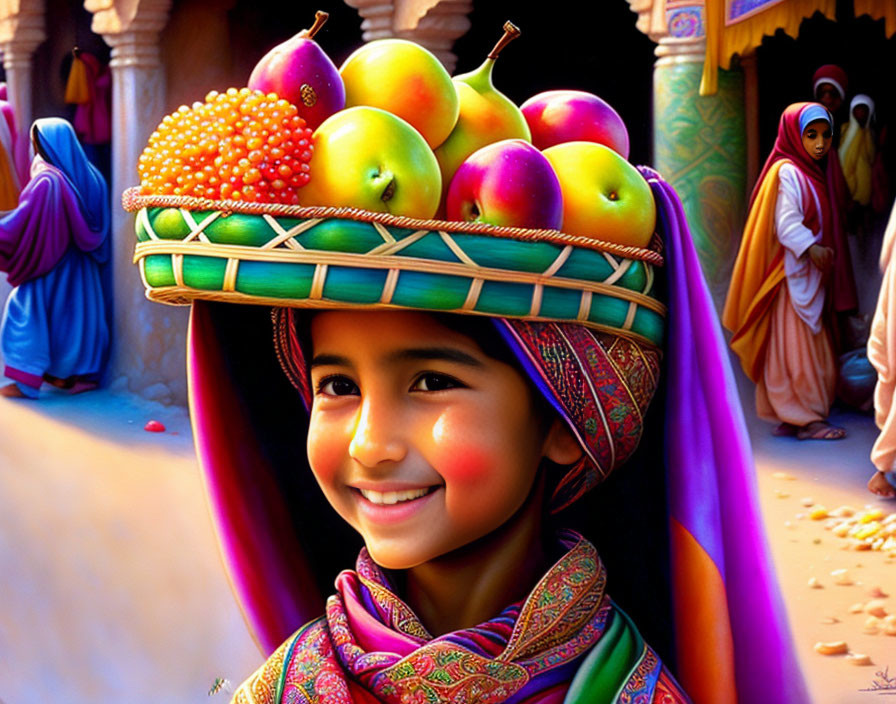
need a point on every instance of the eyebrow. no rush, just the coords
(447, 354)
(429, 354)
(326, 360)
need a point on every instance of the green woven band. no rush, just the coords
(322, 262)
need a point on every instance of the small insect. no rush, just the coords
(220, 684)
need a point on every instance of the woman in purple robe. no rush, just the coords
(55, 250)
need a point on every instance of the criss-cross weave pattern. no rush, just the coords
(319, 262)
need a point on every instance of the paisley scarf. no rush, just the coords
(566, 642)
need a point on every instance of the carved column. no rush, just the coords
(435, 24)
(700, 143)
(149, 350)
(21, 32)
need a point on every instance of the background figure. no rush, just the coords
(55, 248)
(857, 149)
(829, 86)
(882, 354)
(777, 302)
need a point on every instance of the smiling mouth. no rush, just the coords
(388, 498)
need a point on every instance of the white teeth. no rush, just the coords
(392, 497)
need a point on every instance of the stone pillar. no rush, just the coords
(700, 145)
(435, 24)
(21, 32)
(149, 349)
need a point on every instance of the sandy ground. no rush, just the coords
(111, 587)
(792, 474)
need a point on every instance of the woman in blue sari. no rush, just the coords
(55, 249)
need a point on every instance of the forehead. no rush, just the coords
(816, 126)
(359, 332)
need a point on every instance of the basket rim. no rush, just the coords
(133, 201)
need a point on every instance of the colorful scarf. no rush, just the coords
(567, 639)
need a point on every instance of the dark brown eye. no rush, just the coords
(432, 381)
(337, 386)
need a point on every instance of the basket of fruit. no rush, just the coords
(317, 186)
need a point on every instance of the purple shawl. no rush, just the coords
(48, 220)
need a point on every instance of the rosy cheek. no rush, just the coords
(457, 455)
(325, 452)
(465, 464)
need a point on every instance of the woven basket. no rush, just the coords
(318, 257)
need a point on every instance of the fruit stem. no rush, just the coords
(511, 32)
(320, 19)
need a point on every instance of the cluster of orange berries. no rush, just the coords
(238, 145)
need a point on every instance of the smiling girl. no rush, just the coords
(460, 448)
(778, 306)
(438, 402)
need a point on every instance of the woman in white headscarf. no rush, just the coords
(857, 149)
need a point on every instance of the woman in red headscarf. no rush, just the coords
(780, 293)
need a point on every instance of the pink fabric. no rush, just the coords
(798, 381)
(369, 632)
(882, 355)
(93, 121)
(276, 593)
(32, 380)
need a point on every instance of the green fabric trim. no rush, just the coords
(608, 667)
(286, 658)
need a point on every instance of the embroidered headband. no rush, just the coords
(812, 113)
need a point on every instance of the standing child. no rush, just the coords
(778, 305)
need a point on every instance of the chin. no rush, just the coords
(394, 558)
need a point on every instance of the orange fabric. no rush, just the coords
(705, 646)
(76, 88)
(757, 276)
(799, 377)
(878, 9)
(9, 194)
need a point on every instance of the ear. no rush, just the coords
(560, 445)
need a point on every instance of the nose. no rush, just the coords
(377, 436)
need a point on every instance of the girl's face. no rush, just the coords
(418, 439)
(817, 139)
(860, 112)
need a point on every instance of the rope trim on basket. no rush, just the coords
(132, 201)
